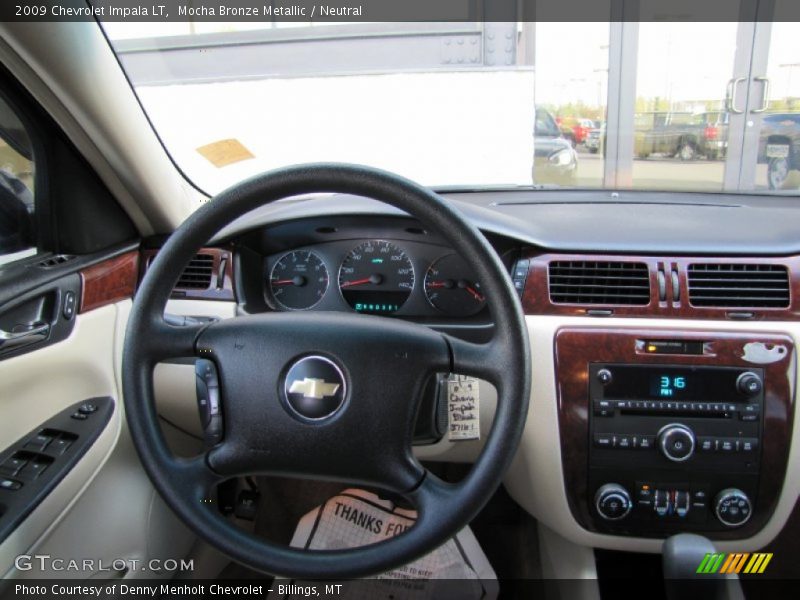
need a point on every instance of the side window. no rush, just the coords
(17, 229)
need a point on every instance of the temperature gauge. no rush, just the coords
(450, 286)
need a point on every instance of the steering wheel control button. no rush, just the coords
(676, 442)
(314, 388)
(612, 502)
(732, 507)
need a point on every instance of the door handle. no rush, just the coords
(733, 85)
(765, 97)
(14, 339)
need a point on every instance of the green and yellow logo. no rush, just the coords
(743, 562)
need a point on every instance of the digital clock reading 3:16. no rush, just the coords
(667, 386)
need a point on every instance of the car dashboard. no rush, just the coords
(664, 376)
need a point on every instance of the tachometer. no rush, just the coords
(376, 277)
(450, 286)
(298, 280)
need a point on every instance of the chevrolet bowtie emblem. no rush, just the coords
(313, 388)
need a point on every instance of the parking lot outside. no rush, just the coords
(663, 172)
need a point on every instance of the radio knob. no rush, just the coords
(749, 384)
(676, 442)
(604, 376)
(612, 502)
(732, 507)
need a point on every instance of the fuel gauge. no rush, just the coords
(450, 286)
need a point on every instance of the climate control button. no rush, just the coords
(676, 442)
(612, 502)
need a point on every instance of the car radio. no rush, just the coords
(664, 431)
(680, 443)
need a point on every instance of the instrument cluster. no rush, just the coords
(375, 276)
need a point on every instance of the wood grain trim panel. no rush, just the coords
(576, 347)
(218, 290)
(109, 281)
(536, 294)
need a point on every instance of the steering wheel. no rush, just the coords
(359, 433)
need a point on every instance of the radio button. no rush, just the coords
(749, 384)
(727, 445)
(676, 442)
(604, 376)
(749, 412)
(748, 444)
(602, 408)
(707, 444)
(603, 440)
(646, 442)
(624, 441)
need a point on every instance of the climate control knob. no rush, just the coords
(612, 502)
(676, 442)
(732, 507)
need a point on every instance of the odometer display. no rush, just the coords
(376, 277)
(298, 280)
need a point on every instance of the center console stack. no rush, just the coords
(665, 432)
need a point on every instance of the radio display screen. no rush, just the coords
(685, 384)
(670, 385)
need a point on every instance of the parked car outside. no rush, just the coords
(575, 129)
(684, 135)
(554, 158)
(594, 138)
(779, 148)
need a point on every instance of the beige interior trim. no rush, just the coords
(105, 507)
(44, 383)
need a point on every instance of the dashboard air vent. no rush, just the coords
(599, 282)
(738, 285)
(197, 274)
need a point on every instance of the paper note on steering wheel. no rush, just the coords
(463, 408)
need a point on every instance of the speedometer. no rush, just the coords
(376, 277)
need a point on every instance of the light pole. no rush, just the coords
(791, 67)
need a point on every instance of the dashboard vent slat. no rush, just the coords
(746, 285)
(197, 274)
(599, 282)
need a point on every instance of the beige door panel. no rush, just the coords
(105, 507)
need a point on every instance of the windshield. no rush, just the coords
(711, 107)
